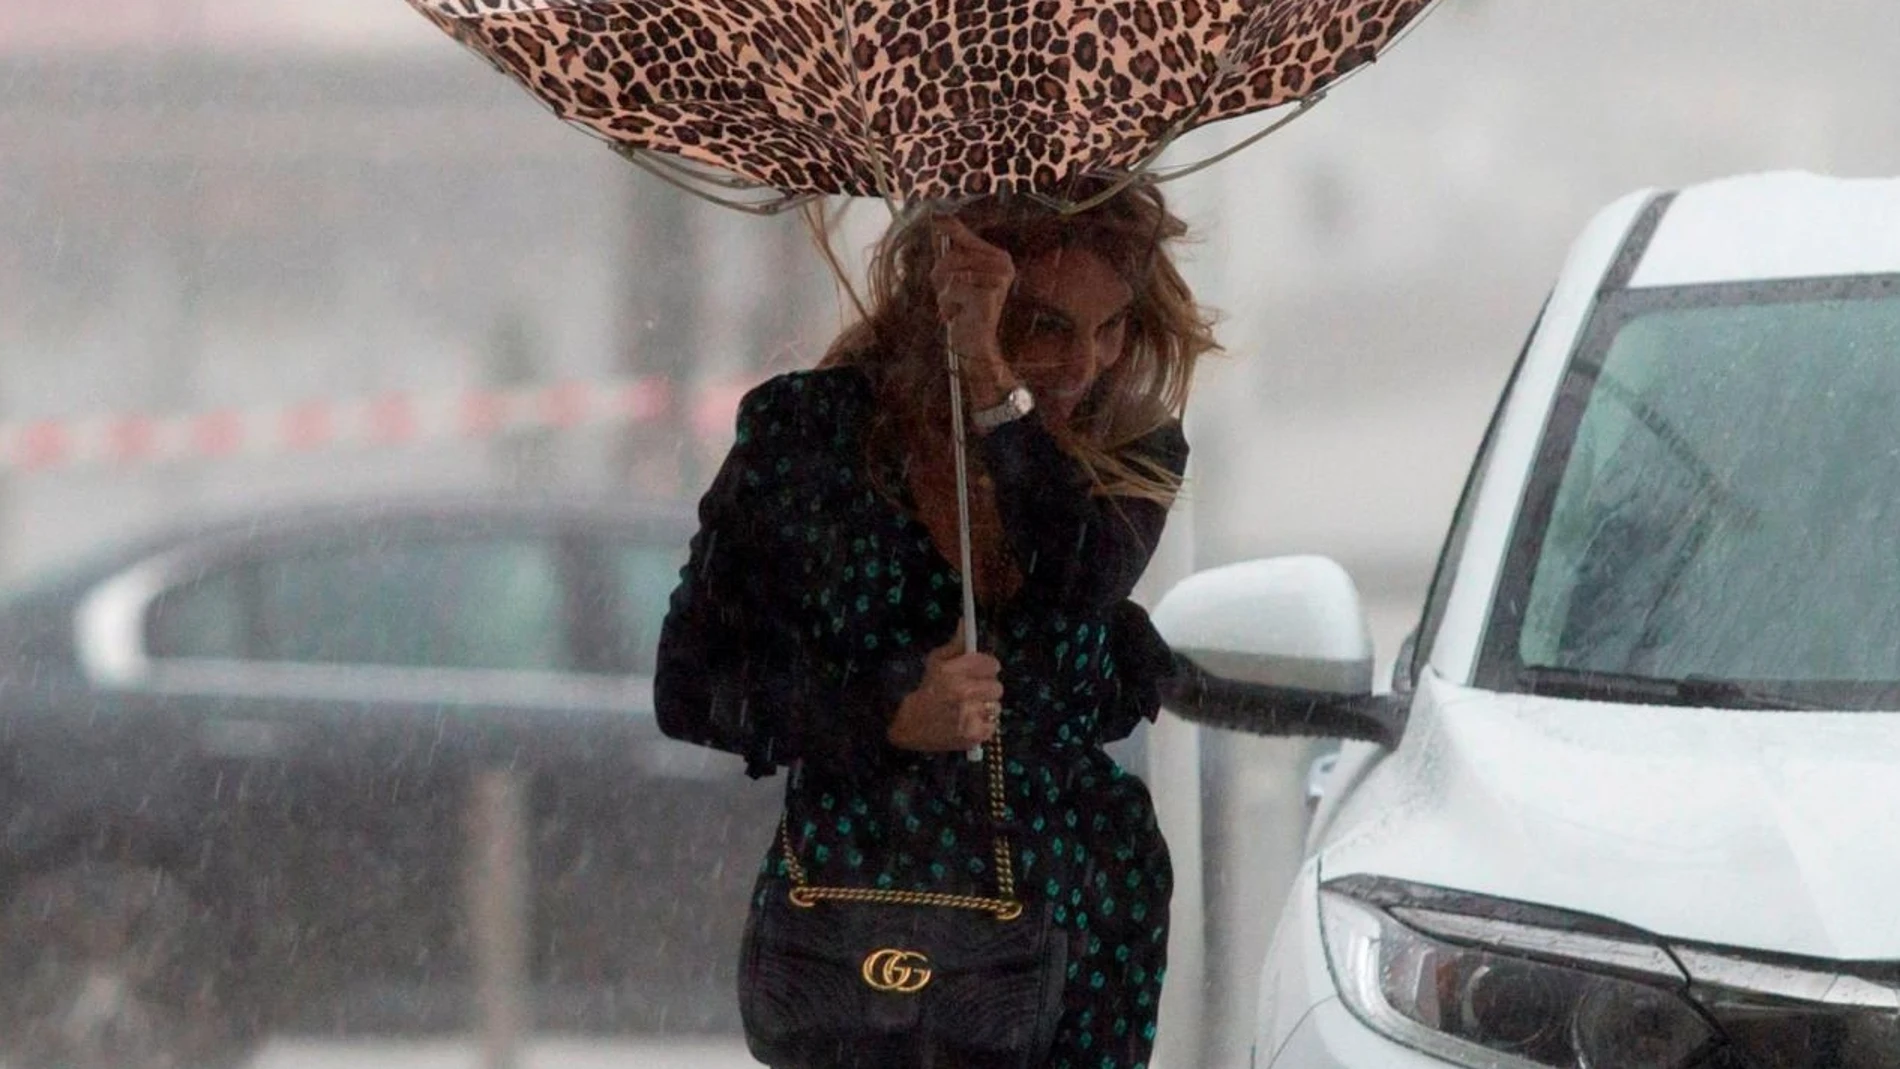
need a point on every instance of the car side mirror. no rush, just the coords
(1275, 647)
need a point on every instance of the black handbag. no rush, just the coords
(847, 977)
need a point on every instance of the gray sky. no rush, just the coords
(35, 25)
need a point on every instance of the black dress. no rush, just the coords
(810, 599)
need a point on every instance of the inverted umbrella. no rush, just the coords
(915, 101)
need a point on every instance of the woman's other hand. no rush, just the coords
(972, 279)
(956, 705)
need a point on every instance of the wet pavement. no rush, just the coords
(548, 1053)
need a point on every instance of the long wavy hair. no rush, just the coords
(898, 339)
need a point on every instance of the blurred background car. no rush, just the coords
(1635, 810)
(238, 761)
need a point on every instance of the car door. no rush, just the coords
(687, 817)
(339, 683)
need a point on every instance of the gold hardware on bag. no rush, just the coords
(1005, 906)
(903, 972)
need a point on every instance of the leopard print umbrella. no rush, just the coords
(912, 100)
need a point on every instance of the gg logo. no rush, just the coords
(904, 972)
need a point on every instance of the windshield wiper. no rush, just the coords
(1696, 690)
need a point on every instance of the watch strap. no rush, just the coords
(1019, 403)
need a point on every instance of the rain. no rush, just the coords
(353, 411)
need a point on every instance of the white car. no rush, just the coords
(1635, 799)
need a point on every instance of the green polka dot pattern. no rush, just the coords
(1083, 829)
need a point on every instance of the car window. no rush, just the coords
(453, 603)
(1716, 512)
(644, 576)
(204, 618)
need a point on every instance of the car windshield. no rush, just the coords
(1715, 503)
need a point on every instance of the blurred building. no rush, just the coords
(216, 220)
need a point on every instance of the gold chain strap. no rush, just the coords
(1004, 905)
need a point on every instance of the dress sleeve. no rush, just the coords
(1145, 667)
(699, 691)
(1076, 549)
(731, 671)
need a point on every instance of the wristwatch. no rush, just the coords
(1019, 403)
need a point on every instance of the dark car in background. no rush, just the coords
(235, 769)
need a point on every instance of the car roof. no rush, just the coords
(1781, 225)
(665, 519)
(662, 522)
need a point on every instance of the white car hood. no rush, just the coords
(1776, 831)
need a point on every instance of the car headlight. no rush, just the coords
(1515, 987)
(1489, 1009)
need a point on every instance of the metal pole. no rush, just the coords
(1252, 826)
(498, 914)
(1174, 778)
(963, 500)
(962, 463)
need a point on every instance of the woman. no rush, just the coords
(816, 626)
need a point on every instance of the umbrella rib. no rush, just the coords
(1145, 167)
(1226, 65)
(1305, 105)
(646, 161)
(698, 172)
(711, 178)
(1431, 8)
(633, 155)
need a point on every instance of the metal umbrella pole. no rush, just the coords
(953, 362)
(955, 365)
(963, 500)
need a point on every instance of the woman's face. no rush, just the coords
(1065, 325)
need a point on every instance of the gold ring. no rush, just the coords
(992, 709)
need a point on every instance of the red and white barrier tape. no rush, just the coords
(386, 421)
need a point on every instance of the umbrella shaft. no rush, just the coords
(962, 462)
(963, 500)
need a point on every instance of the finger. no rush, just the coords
(945, 281)
(988, 260)
(946, 278)
(979, 720)
(985, 709)
(950, 650)
(964, 242)
(985, 688)
(978, 690)
(978, 665)
(960, 234)
(956, 230)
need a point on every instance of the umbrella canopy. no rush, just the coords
(915, 100)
